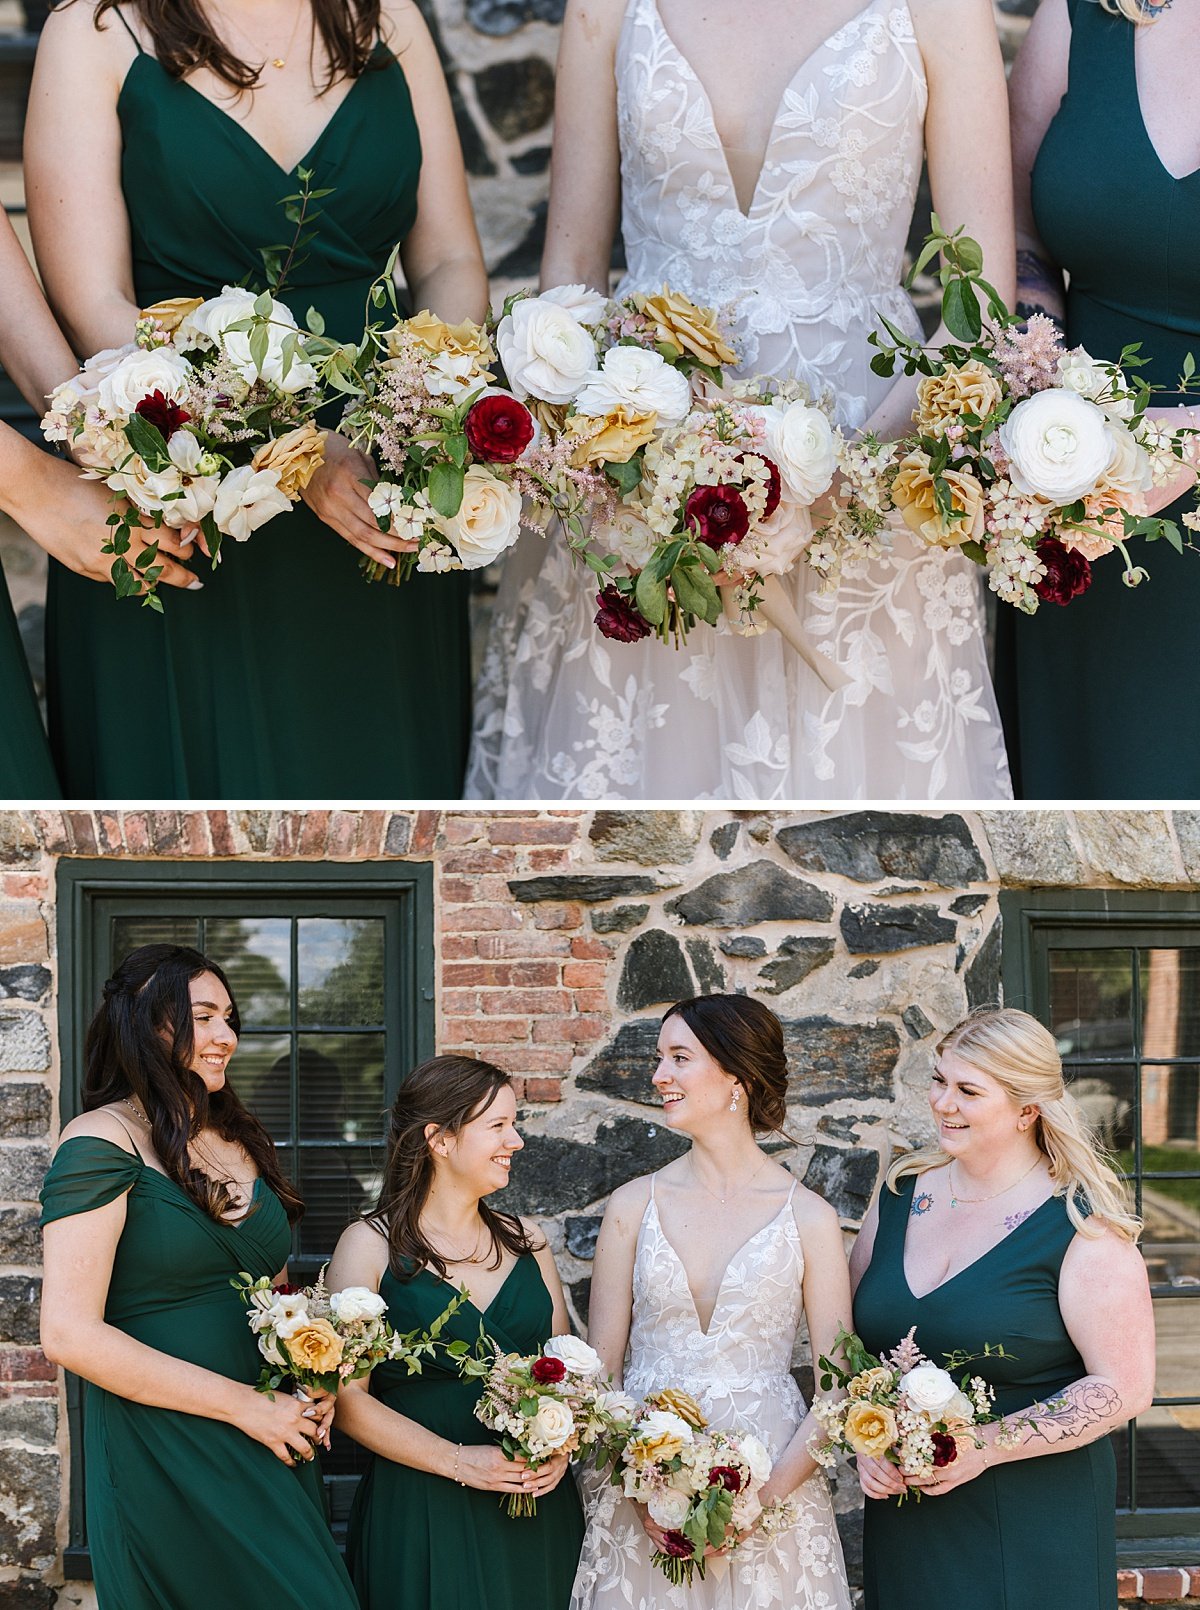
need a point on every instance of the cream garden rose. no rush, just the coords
(914, 495)
(669, 1509)
(968, 388)
(553, 1424)
(545, 350)
(297, 456)
(312, 1344)
(138, 375)
(579, 1358)
(929, 1388)
(638, 380)
(488, 520)
(1059, 445)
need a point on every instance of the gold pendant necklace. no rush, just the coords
(964, 1201)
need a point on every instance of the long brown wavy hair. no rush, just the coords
(449, 1092)
(184, 39)
(140, 1044)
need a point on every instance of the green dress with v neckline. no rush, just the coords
(183, 1512)
(288, 676)
(421, 1542)
(1030, 1533)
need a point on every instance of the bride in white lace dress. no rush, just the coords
(768, 155)
(704, 1272)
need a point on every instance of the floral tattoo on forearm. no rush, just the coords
(1079, 1413)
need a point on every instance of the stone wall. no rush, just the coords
(560, 935)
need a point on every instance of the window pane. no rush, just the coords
(130, 932)
(256, 955)
(337, 1183)
(341, 971)
(1106, 1095)
(1170, 990)
(1168, 1458)
(260, 1074)
(341, 1086)
(1177, 1370)
(1170, 1109)
(1091, 1002)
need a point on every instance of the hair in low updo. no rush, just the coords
(745, 1039)
(1021, 1055)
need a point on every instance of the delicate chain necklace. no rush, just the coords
(966, 1201)
(136, 1111)
(276, 61)
(472, 1257)
(745, 1185)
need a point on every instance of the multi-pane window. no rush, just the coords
(1117, 980)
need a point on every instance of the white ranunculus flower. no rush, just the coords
(579, 1358)
(209, 325)
(756, 1456)
(545, 351)
(247, 499)
(488, 520)
(553, 1424)
(1059, 444)
(661, 1422)
(635, 378)
(959, 1407)
(355, 1303)
(669, 1509)
(139, 374)
(588, 306)
(929, 1388)
(629, 537)
(800, 442)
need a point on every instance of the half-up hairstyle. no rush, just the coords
(448, 1092)
(140, 1044)
(1020, 1054)
(183, 39)
(745, 1039)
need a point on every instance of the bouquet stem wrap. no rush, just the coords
(776, 608)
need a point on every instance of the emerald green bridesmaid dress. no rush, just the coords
(1036, 1534)
(185, 1513)
(26, 770)
(287, 676)
(421, 1542)
(1097, 697)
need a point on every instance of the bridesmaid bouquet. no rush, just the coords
(696, 1483)
(549, 1403)
(204, 419)
(1030, 459)
(901, 1407)
(322, 1338)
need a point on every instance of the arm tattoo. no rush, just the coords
(1079, 1413)
(1039, 287)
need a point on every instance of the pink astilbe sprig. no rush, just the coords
(1028, 357)
(906, 1355)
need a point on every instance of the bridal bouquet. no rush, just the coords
(549, 1403)
(204, 419)
(322, 1338)
(696, 1483)
(1030, 459)
(901, 1407)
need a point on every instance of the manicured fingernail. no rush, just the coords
(194, 586)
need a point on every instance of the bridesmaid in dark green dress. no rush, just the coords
(985, 1238)
(429, 1529)
(1097, 697)
(191, 1497)
(287, 676)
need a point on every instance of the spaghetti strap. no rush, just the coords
(120, 16)
(791, 1194)
(137, 1150)
(652, 1178)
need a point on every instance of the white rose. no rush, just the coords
(1079, 372)
(203, 328)
(959, 1407)
(579, 1358)
(629, 537)
(553, 1423)
(357, 1302)
(545, 351)
(661, 1422)
(1059, 443)
(669, 1509)
(800, 442)
(588, 307)
(1129, 471)
(209, 325)
(488, 520)
(139, 374)
(635, 378)
(929, 1389)
(756, 1456)
(619, 1404)
(247, 499)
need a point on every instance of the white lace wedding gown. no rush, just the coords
(563, 713)
(738, 1371)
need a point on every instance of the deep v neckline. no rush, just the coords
(733, 1258)
(1139, 114)
(694, 77)
(967, 1268)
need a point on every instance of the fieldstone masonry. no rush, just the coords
(560, 937)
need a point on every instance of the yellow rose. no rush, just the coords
(459, 340)
(874, 1380)
(913, 495)
(943, 399)
(693, 329)
(613, 439)
(172, 311)
(658, 1448)
(312, 1344)
(870, 1429)
(297, 456)
(676, 1401)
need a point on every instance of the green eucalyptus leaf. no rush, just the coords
(148, 443)
(650, 595)
(446, 489)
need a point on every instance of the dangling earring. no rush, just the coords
(735, 1098)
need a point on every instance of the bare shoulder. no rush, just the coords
(102, 1124)
(1100, 1253)
(953, 30)
(74, 35)
(404, 28)
(628, 1202)
(596, 22)
(363, 1235)
(360, 1257)
(813, 1214)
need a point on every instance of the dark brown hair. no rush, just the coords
(745, 1039)
(140, 1044)
(449, 1092)
(183, 39)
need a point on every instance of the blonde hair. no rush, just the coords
(1133, 9)
(1020, 1054)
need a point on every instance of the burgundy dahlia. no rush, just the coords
(618, 618)
(717, 514)
(675, 1545)
(498, 429)
(546, 1371)
(774, 485)
(725, 1476)
(165, 415)
(945, 1449)
(1068, 574)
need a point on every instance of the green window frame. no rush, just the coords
(102, 904)
(1141, 1061)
